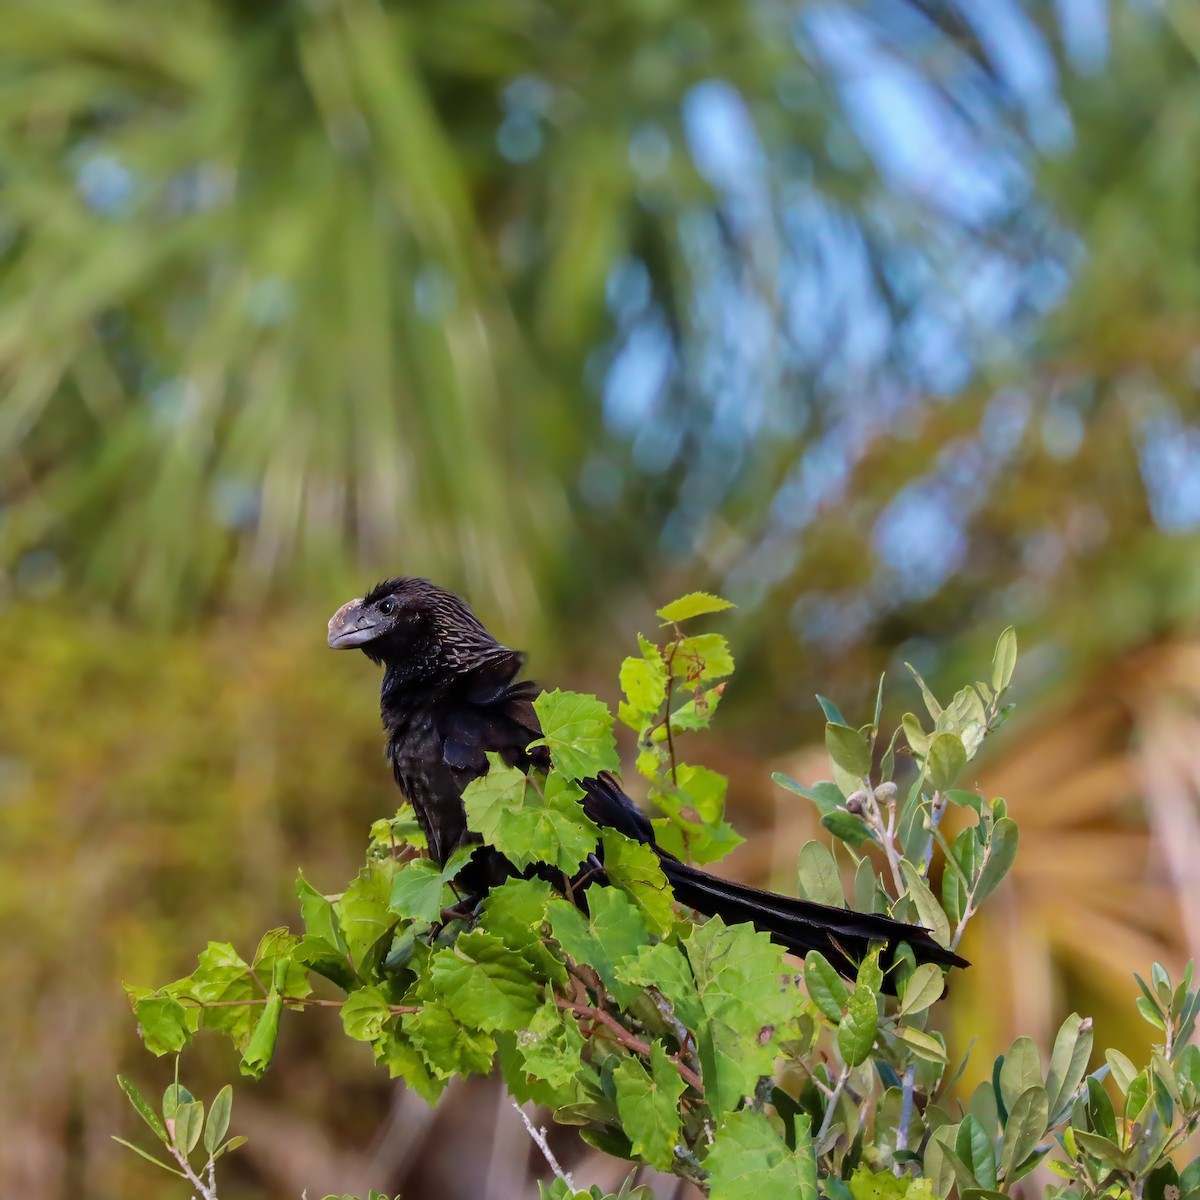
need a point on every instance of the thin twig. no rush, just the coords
(629, 1040)
(833, 1099)
(539, 1140)
(208, 1193)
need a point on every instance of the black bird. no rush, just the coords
(450, 695)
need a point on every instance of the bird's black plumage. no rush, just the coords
(450, 696)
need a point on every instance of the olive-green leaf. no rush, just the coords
(1027, 1120)
(1068, 1062)
(1004, 660)
(144, 1108)
(974, 1148)
(945, 760)
(925, 986)
(932, 916)
(825, 987)
(935, 709)
(1022, 1069)
(189, 1121)
(820, 879)
(848, 749)
(1000, 854)
(859, 1025)
(217, 1124)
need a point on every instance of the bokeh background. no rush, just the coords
(880, 317)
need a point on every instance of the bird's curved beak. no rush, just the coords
(350, 627)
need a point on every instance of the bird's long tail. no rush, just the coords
(843, 936)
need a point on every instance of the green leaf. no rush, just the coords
(848, 750)
(144, 1108)
(1026, 1124)
(929, 910)
(163, 1023)
(750, 1161)
(189, 1121)
(648, 1102)
(275, 960)
(364, 1014)
(820, 879)
(634, 867)
(363, 912)
(577, 730)
(694, 604)
(825, 987)
(917, 738)
(922, 1044)
(1001, 852)
(320, 919)
(856, 1033)
(1004, 660)
(664, 967)
(417, 891)
(831, 711)
(1068, 1063)
(448, 1047)
(232, 1144)
(1103, 1148)
(256, 1058)
(935, 709)
(550, 828)
(866, 1184)
(484, 984)
(974, 1149)
(705, 656)
(945, 760)
(147, 1156)
(1022, 1069)
(924, 987)
(613, 929)
(846, 827)
(644, 681)
(551, 1046)
(1123, 1070)
(217, 1124)
(516, 912)
(738, 973)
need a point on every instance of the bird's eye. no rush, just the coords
(387, 606)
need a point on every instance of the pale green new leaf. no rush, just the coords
(694, 604)
(577, 730)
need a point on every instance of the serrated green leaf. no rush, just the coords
(1001, 852)
(417, 891)
(738, 973)
(703, 657)
(516, 912)
(364, 1014)
(859, 1025)
(644, 682)
(825, 987)
(848, 750)
(613, 929)
(865, 1184)
(924, 987)
(163, 1023)
(484, 984)
(217, 1124)
(748, 1160)
(1028, 1117)
(256, 1058)
(363, 912)
(945, 759)
(577, 730)
(635, 869)
(404, 1061)
(1004, 660)
(694, 604)
(819, 877)
(551, 1046)
(648, 1102)
(664, 968)
(448, 1047)
(275, 960)
(320, 920)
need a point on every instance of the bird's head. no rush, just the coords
(414, 626)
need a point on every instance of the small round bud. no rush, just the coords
(856, 801)
(885, 793)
